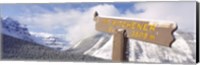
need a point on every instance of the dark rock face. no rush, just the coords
(17, 49)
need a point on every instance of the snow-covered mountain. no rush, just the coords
(91, 43)
(13, 28)
(50, 40)
(182, 50)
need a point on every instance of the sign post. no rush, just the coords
(119, 46)
(143, 30)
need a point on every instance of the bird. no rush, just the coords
(96, 14)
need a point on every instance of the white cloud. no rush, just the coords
(75, 23)
(84, 25)
(183, 13)
(79, 24)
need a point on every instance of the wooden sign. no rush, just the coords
(153, 32)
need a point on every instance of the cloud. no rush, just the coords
(74, 23)
(84, 26)
(183, 13)
(77, 25)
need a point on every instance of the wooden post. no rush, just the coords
(119, 46)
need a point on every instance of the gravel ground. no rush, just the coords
(16, 49)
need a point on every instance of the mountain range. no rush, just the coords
(99, 45)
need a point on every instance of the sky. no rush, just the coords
(74, 21)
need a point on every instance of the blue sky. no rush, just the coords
(13, 10)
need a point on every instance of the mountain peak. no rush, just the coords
(13, 28)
